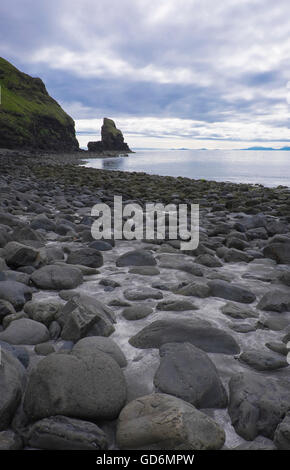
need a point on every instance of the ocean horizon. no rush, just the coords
(269, 168)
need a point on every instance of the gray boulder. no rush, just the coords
(11, 384)
(187, 373)
(257, 404)
(9, 440)
(89, 257)
(164, 422)
(15, 293)
(17, 255)
(176, 305)
(195, 331)
(86, 386)
(98, 343)
(239, 312)
(43, 311)
(6, 308)
(63, 433)
(196, 289)
(282, 434)
(81, 313)
(275, 300)
(25, 331)
(57, 277)
(229, 291)
(142, 293)
(280, 252)
(263, 360)
(137, 311)
(136, 258)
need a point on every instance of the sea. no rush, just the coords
(269, 168)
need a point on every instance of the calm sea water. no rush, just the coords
(270, 168)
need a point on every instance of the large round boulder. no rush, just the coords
(86, 386)
(57, 277)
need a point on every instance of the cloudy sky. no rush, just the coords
(172, 73)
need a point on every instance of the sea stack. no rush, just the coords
(29, 117)
(112, 139)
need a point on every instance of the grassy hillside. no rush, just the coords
(29, 117)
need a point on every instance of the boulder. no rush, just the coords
(56, 277)
(136, 258)
(275, 300)
(16, 293)
(257, 404)
(98, 343)
(176, 305)
(263, 360)
(63, 433)
(9, 440)
(11, 384)
(280, 252)
(164, 422)
(85, 386)
(81, 313)
(229, 291)
(17, 255)
(282, 434)
(89, 257)
(25, 331)
(239, 312)
(43, 311)
(142, 293)
(196, 289)
(137, 311)
(195, 331)
(6, 308)
(187, 373)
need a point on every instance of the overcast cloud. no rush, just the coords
(172, 73)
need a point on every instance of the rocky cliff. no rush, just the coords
(112, 139)
(29, 117)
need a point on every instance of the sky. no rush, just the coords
(171, 73)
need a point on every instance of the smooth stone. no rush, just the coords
(198, 332)
(89, 257)
(64, 433)
(142, 293)
(188, 373)
(15, 293)
(164, 422)
(136, 258)
(11, 383)
(196, 289)
(280, 252)
(98, 343)
(208, 260)
(100, 245)
(44, 349)
(17, 255)
(107, 282)
(86, 386)
(176, 305)
(145, 270)
(276, 301)
(25, 331)
(239, 312)
(6, 308)
(174, 262)
(17, 351)
(137, 311)
(57, 277)
(243, 327)
(263, 360)
(277, 347)
(229, 291)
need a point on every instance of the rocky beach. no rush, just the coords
(136, 344)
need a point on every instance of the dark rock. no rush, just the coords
(17, 255)
(87, 257)
(10, 441)
(263, 360)
(142, 293)
(187, 373)
(209, 261)
(43, 311)
(239, 312)
(15, 293)
(176, 305)
(136, 312)
(136, 258)
(276, 300)
(25, 331)
(229, 291)
(277, 347)
(100, 245)
(257, 404)
(196, 289)
(56, 277)
(44, 223)
(98, 343)
(86, 386)
(17, 351)
(282, 434)
(6, 308)
(11, 384)
(112, 139)
(164, 422)
(44, 349)
(63, 433)
(280, 252)
(198, 332)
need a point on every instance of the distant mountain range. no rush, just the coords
(266, 148)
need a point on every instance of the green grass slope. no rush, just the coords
(29, 117)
